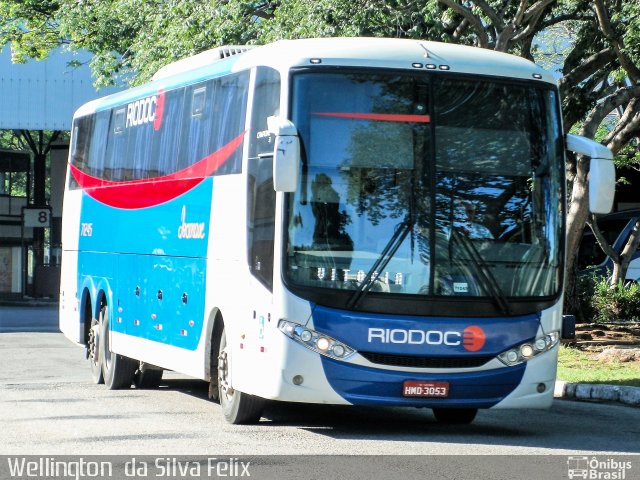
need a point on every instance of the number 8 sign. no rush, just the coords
(36, 217)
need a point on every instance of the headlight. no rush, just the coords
(527, 351)
(318, 342)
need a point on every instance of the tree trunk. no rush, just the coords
(576, 221)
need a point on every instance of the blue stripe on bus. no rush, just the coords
(134, 254)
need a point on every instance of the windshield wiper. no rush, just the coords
(488, 280)
(390, 249)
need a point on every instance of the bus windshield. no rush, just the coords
(426, 184)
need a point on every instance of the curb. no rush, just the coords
(598, 393)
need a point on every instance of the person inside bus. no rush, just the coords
(465, 221)
(329, 231)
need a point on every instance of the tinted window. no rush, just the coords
(458, 182)
(262, 198)
(160, 134)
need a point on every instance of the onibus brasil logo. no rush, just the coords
(597, 469)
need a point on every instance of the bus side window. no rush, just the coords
(198, 101)
(230, 107)
(214, 114)
(96, 150)
(165, 140)
(82, 131)
(116, 146)
(196, 122)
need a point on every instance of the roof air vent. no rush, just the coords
(200, 60)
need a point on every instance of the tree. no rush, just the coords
(599, 62)
(605, 79)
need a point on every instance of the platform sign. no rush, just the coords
(36, 217)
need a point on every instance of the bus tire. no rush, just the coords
(455, 416)
(93, 352)
(117, 370)
(239, 408)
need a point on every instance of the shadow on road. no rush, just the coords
(566, 426)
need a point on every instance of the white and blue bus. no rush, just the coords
(337, 221)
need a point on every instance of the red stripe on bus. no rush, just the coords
(149, 192)
(381, 117)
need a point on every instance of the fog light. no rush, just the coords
(297, 380)
(540, 344)
(322, 344)
(338, 350)
(305, 336)
(541, 387)
(512, 356)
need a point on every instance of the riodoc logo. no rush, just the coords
(471, 338)
(146, 110)
(190, 230)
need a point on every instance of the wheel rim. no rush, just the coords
(226, 392)
(93, 343)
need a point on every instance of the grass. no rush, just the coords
(577, 366)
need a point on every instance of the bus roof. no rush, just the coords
(396, 53)
(342, 52)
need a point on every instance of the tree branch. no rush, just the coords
(483, 39)
(605, 107)
(600, 238)
(531, 28)
(522, 8)
(460, 29)
(563, 18)
(537, 8)
(496, 20)
(630, 247)
(625, 134)
(587, 68)
(616, 42)
(504, 37)
(629, 112)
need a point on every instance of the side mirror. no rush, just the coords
(602, 172)
(286, 154)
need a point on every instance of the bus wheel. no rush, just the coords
(238, 407)
(147, 377)
(118, 370)
(93, 352)
(455, 415)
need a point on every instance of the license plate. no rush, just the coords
(412, 388)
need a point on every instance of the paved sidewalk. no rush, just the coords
(598, 392)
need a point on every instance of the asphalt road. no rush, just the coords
(48, 405)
